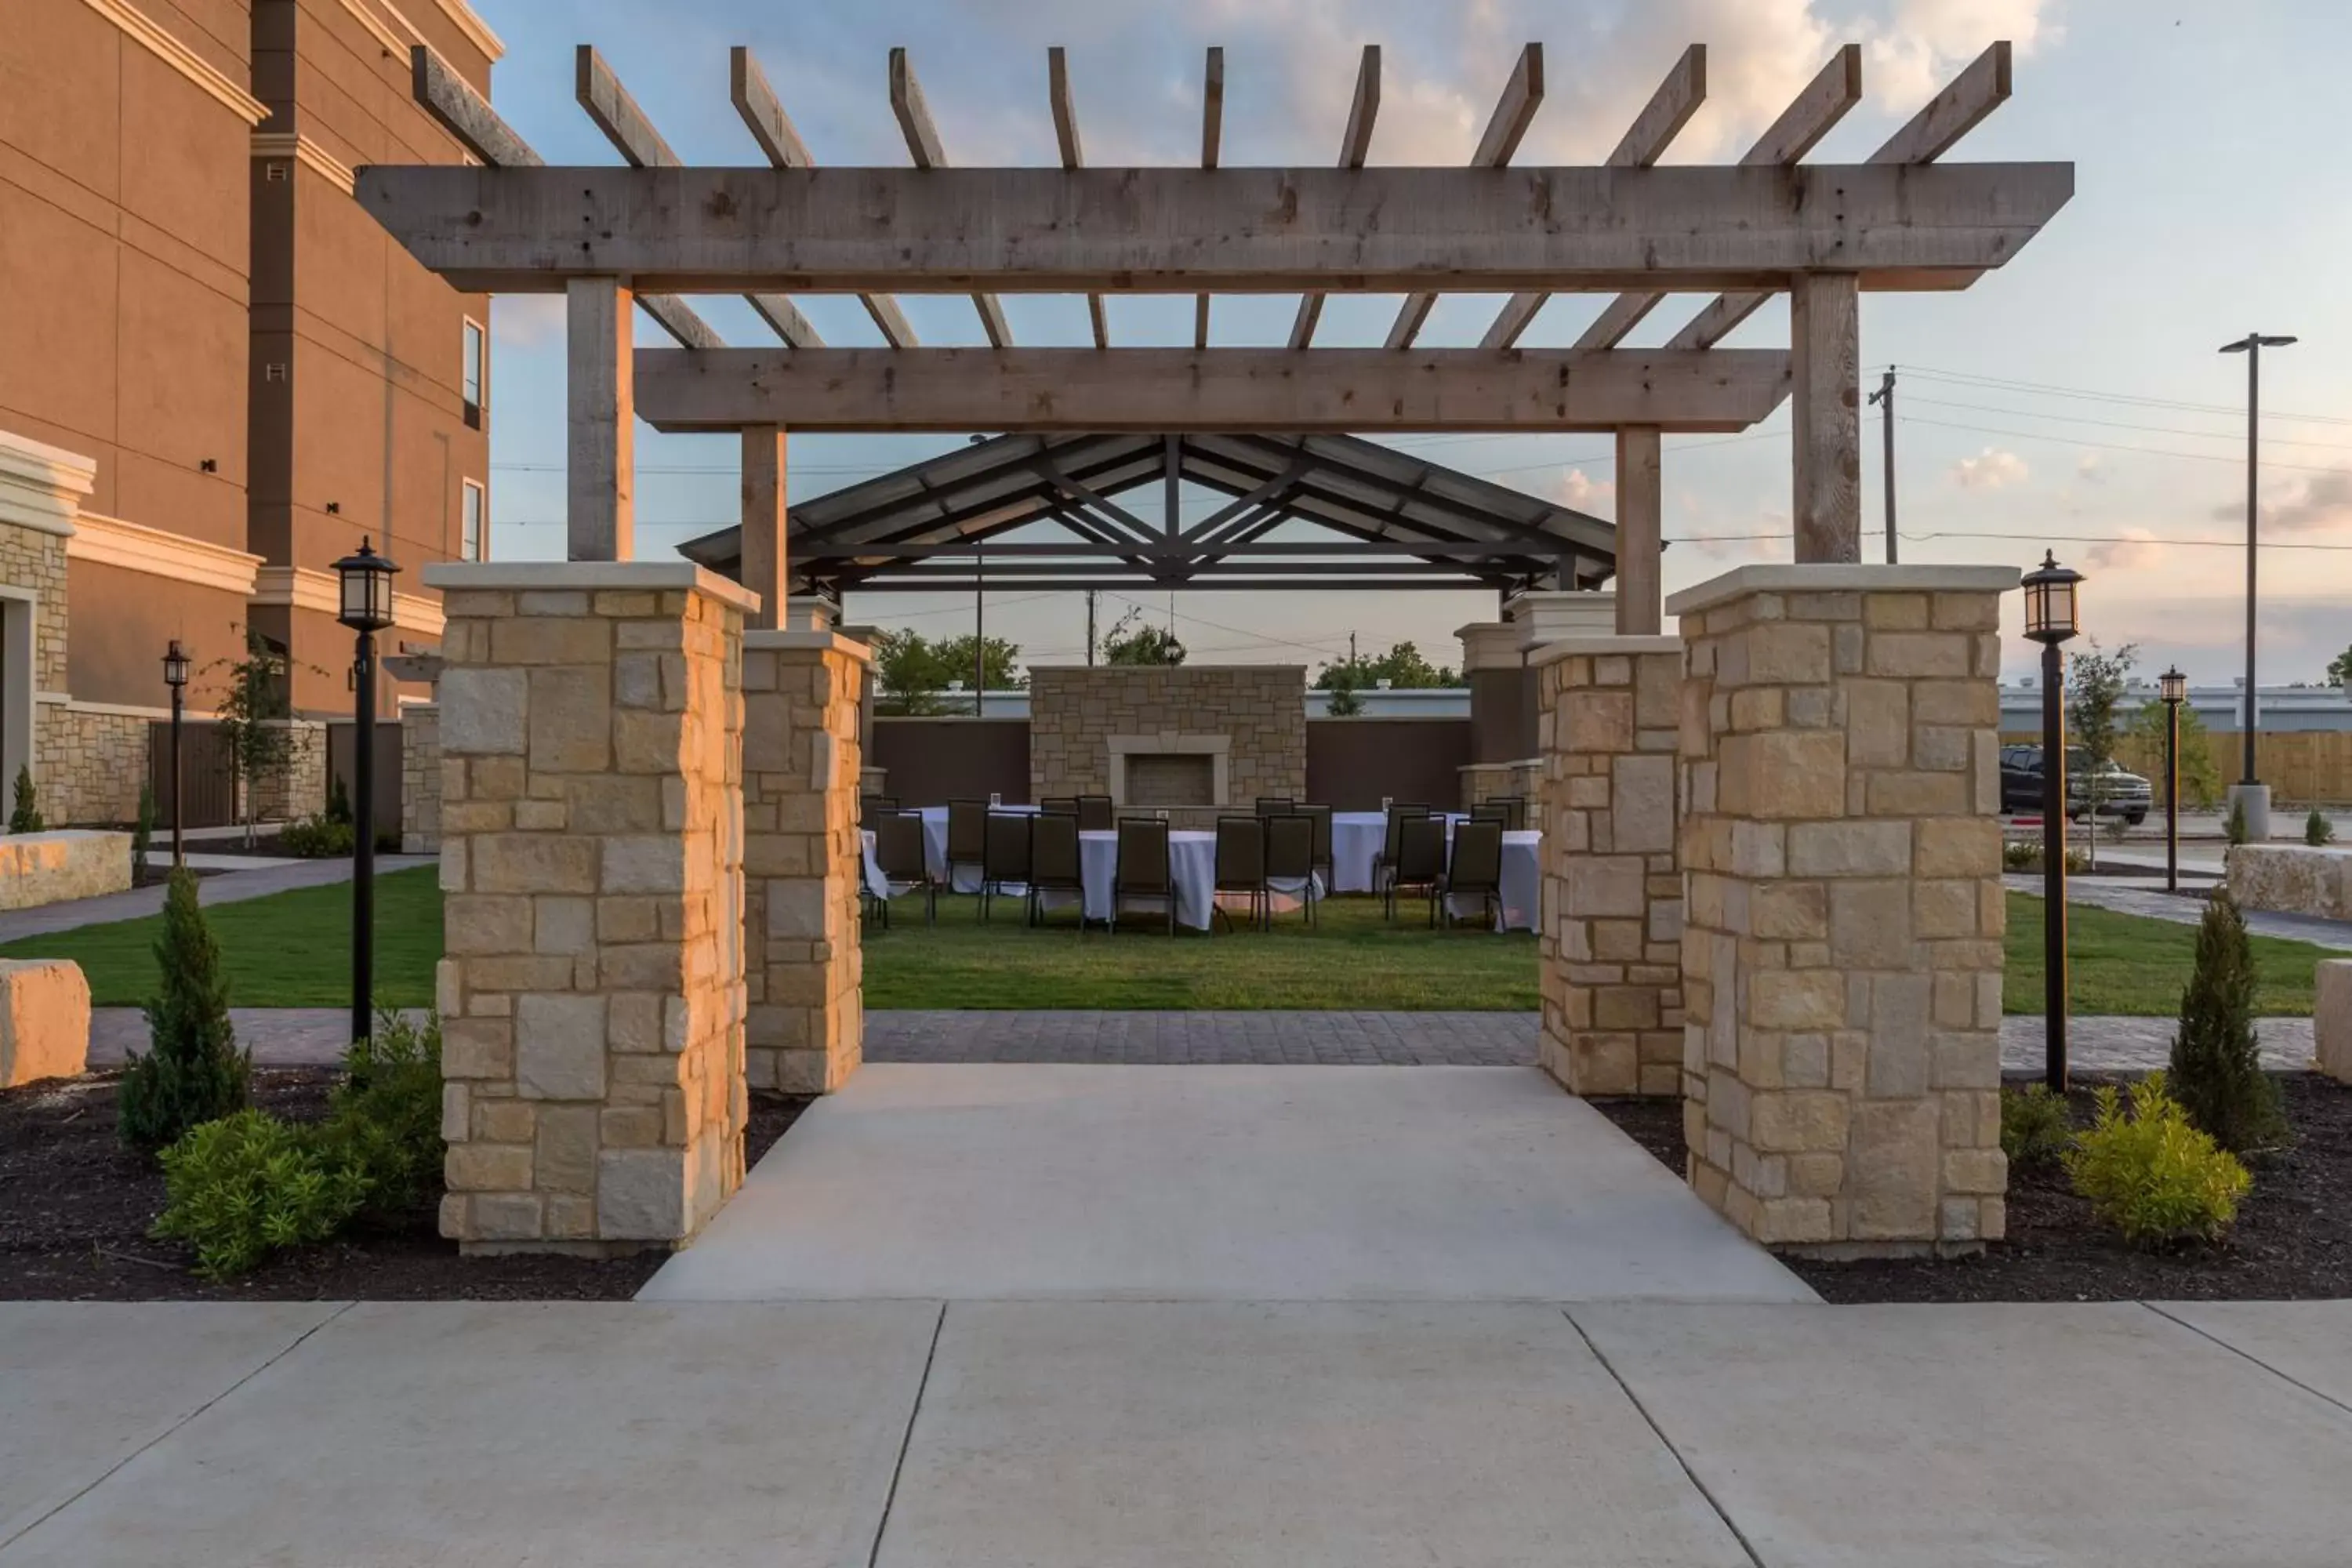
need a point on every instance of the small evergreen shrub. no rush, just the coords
(2151, 1175)
(2035, 1128)
(2317, 830)
(2025, 855)
(143, 832)
(2233, 826)
(316, 838)
(384, 1123)
(192, 1072)
(2217, 1067)
(250, 1185)
(339, 802)
(26, 815)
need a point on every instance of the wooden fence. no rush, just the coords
(2303, 767)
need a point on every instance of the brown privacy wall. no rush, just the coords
(1502, 715)
(2303, 767)
(933, 761)
(340, 741)
(1352, 762)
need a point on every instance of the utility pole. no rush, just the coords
(1090, 629)
(1352, 651)
(978, 632)
(1884, 397)
(2251, 345)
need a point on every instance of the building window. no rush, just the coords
(470, 526)
(471, 374)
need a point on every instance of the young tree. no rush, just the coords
(914, 670)
(193, 1071)
(1135, 641)
(26, 815)
(2217, 1068)
(1402, 667)
(2339, 669)
(1002, 670)
(2095, 693)
(2200, 775)
(253, 714)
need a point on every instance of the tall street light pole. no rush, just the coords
(176, 676)
(366, 608)
(2174, 688)
(2257, 799)
(2050, 620)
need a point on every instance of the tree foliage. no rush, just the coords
(2217, 1067)
(914, 670)
(253, 712)
(192, 1072)
(2201, 775)
(1134, 640)
(1402, 667)
(26, 815)
(2339, 669)
(2095, 682)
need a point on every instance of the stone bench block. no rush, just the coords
(2331, 1019)
(44, 1020)
(38, 869)
(2292, 878)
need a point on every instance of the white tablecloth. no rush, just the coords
(1357, 837)
(875, 882)
(1355, 840)
(935, 846)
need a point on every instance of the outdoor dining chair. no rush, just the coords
(1059, 806)
(1420, 862)
(1321, 817)
(1384, 864)
(967, 836)
(1004, 861)
(1290, 859)
(1094, 811)
(1054, 863)
(873, 809)
(1476, 870)
(1514, 809)
(1276, 805)
(1240, 866)
(898, 851)
(1142, 871)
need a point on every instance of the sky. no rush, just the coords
(2072, 400)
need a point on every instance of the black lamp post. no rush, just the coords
(176, 676)
(2049, 621)
(2174, 688)
(366, 580)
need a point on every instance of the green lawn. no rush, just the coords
(2124, 963)
(293, 949)
(288, 950)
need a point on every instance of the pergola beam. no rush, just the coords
(632, 133)
(1066, 133)
(466, 115)
(1213, 130)
(1513, 111)
(764, 115)
(1164, 390)
(1355, 143)
(722, 230)
(1976, 92)
(923, 145)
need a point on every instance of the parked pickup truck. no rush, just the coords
(2120, 794)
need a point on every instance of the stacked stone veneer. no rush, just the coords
(802, 857)
(420, 779)
(89, 761)
(1483, 782)
(1610, 946)
(1259, 710)
(55, 866)
(592, 996)
(1841, 945)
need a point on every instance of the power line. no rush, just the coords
(2047, 389)
(2238, 435)
(2237, 461)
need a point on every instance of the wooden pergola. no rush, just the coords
(660, 230)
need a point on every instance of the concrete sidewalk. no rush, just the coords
(230, 888)
(919, 1433)
(2138, 895)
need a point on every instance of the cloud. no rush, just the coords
(1924, 42)
(2324, 500)
(2137, 548)
(1581, 490)
(2091, 469)
(1990, 469)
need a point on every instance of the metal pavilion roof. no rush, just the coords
(1383, 519)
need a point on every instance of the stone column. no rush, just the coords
(591, 995)
(1841, 943)
(1610, 946)
(802, 857)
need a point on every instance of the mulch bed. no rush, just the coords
(2293, 1240)
(75, 1210)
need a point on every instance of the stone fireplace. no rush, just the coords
(1194, 740)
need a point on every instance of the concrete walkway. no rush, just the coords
(920, 1434)
(2138, 896)
(1208, 1182)
(230, 888)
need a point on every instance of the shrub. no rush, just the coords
(27, 817)
(249, 1184)
(2316, 829)
(2025, 855)
(316, 838)
(339, 802)
(2151, 1175)
(2233, 826)
(192, 1072)
(2035, 1128)
(143, 832)
(2217, 1067)
(384, 1123)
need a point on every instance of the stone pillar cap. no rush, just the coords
(1603, 645)
(1841, 577)
(587, 577)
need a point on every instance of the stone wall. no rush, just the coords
(50, 867)
(2291, 878)
(1841, 947)
(89, 762)
(420, 779)
(1258, 710)
(804, 1032)
(1609, 947)
(591, 995)
(35, 559)
(1483, 782)
(300, 788)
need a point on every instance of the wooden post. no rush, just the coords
(600, 416)
(1639, 541)
(1825, 335)
(763, 523)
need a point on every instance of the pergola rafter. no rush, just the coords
(1513, 112)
